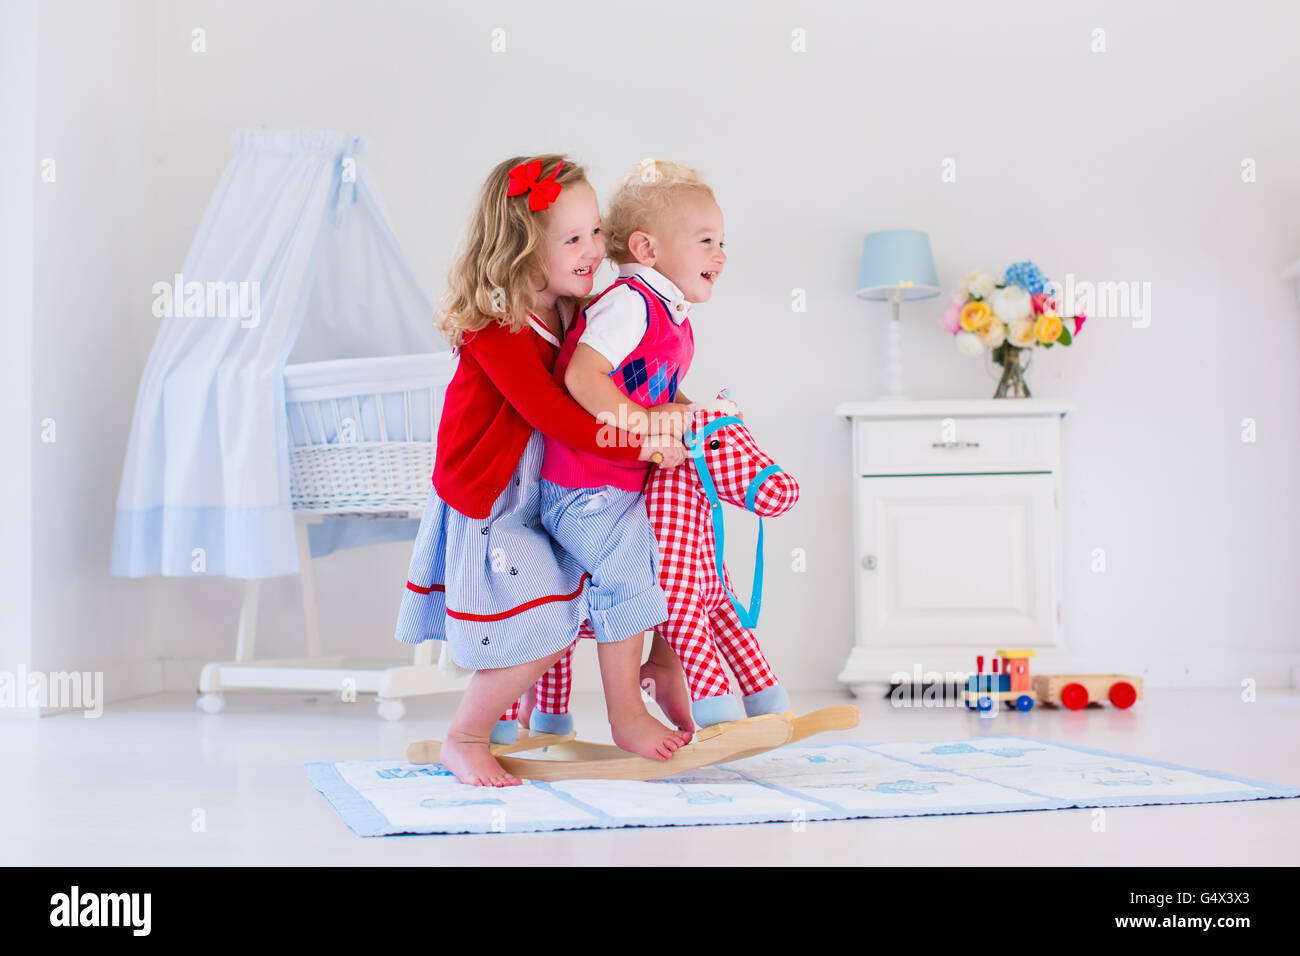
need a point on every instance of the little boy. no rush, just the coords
(625, 356)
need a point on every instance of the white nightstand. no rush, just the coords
(956, 536)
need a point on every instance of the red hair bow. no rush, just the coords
(542, 192)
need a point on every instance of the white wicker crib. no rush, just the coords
(362, 432)
(361, 440)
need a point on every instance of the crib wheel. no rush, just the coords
(211, 703)
(391, 708)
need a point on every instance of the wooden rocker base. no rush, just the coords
(722, 743)
(428, 751)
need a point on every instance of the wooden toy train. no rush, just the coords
(1014, 687)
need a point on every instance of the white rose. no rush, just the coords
(968, 343)
(993, 334)
(1022, 333)
(1011, 303)
(980, 285)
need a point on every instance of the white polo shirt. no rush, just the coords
(617, 323)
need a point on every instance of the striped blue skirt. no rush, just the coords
(498, 589)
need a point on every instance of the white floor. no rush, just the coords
(124, 789)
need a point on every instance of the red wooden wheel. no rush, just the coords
(1122, 694)
(1074, 696)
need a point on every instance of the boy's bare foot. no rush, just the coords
(662, 675)
(641, 734)
(667, 685)
(468, 757)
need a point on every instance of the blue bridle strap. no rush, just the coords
(694, 442)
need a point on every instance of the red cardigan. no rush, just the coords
(502, 390)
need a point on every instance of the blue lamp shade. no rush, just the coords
(897, 260)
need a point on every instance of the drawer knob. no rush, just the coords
(869, 562)
(955, 444)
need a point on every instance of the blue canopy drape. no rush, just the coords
(296, 238)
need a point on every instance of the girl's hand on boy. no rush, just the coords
(670, 419)
(664, 451)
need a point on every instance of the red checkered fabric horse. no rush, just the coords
(702, 618)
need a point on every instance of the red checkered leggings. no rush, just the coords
(553, 687)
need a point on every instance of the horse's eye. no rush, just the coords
(715, 444)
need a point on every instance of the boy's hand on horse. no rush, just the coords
(664, 451)
(670, 419)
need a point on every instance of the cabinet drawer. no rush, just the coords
(939, 446)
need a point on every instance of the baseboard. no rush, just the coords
(1268, 670)
(182, 675)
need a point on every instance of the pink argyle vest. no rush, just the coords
(648, 376)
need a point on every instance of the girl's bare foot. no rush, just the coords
(667, 685)
(641, 734)
(468, 757)
(526, 704)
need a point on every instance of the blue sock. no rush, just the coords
(716, 710)
(545, 723)
(505, 732)
(769, 700)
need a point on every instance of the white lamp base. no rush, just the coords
(894, 369)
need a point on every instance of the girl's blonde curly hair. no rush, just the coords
(641, 198)
(500, 268)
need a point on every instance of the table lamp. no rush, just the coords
(897, 265)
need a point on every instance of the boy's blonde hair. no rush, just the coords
(499, 269)
(641, 198)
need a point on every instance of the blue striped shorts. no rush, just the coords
(607, 532)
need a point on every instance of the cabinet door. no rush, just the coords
(957, 560)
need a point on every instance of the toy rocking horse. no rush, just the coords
(704, 617)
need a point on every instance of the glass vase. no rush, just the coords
(1012, 384)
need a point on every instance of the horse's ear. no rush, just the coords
(725, 396)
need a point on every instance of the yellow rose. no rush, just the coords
(994, 334)
(975, 317)
(1048, 328)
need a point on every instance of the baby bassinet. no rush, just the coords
(361, 435)
(362, 432)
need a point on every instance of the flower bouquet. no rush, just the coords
(1007, 318)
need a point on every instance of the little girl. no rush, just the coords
(484, 575)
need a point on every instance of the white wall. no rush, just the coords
(1115, 166)
(17, 200)
(96, 119)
